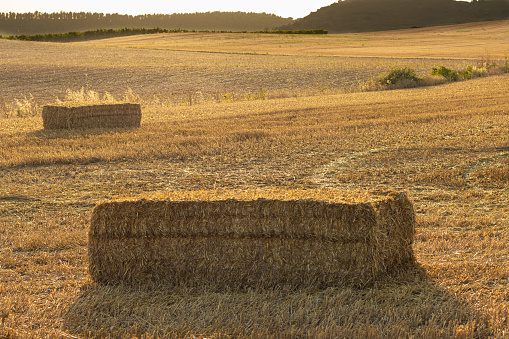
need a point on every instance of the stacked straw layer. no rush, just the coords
(264, 243)
(95, 116)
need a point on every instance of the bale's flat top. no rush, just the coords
(74, 105)
(327, 195)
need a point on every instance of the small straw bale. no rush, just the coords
(231, 240)
(94, 116)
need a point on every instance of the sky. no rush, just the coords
(295, 9)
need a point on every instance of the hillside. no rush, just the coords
(488, 39)
(44, 23)
(377, 15)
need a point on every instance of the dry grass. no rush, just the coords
(446, 146)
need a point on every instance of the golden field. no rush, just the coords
(241, 111)
(468, 41)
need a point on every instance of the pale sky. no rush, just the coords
(295, 8)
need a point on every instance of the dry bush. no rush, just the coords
(401, 78)
(26, 107)
(378, 85)
(432, 80)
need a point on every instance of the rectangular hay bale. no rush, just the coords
(230, 240)
(94, 116)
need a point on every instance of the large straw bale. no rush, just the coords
(229, 240)
(95, 116)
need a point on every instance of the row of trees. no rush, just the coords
(112, 33)
(43, 23)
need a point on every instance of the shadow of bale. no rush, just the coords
(50, 134)
(405, 304)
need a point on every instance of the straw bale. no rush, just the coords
(95, 116)
(264, 239)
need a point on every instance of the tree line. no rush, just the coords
(112, 33)
(12, 23)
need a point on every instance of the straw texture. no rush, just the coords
(270, 241)
(95, 116)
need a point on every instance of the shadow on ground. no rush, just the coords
(48, 134)
(404, 304)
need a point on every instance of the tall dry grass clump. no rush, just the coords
(88, 97)
(25, 107)
(230, 240)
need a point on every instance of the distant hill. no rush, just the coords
(62, 22)
(376, 15)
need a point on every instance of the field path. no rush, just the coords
(324, 175)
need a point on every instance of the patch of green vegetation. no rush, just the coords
(483, 68)
(445, 72)
(398, 76)
(112, 33)
(474, 72)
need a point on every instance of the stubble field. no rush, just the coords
(260, 111)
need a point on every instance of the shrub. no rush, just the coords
(447, 73)
(399, 76)
(475, 72)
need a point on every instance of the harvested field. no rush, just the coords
(446, 146)
(465, 41)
